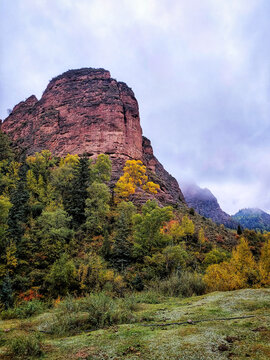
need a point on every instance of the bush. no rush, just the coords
(25, 310)
(26, 346)
(185, 284)
(94, 311)
(147, 297)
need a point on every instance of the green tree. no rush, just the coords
(19, 211)
(6, 152)
(106, 248)
(75, 199)
(6, 293)
(62, 277)
(53, 233)
(97, 208)
(38, 177)
(215, 256)
(121, 254)
(62, 177)
(148, 235)
(175, 257)
(239, 230)
(5, 206)
(102, 169)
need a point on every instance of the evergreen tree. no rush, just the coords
(19, 211)
(121, 255)
(106, 250)
(75, 199)
(6, 293)
(97, 208)
(239, 230)
(6, 152)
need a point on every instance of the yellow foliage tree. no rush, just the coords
(264, 264)
(187, 226)
(69, 160)
(244, 262)
(223, 277)
(134, 177)
(201, 237)
(240, 272)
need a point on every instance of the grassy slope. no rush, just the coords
(205, 340)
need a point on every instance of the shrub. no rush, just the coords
(185, 284)
(94, 311)
(26, 346)
(147, 297)
(25, 310)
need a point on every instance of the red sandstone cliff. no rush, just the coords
(86, 111)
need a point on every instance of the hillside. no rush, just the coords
(206, 204)
(253, 219)
(208, 340)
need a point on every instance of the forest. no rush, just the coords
(80, 252)
(66, 230)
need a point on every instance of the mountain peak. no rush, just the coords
(253, 219)
(206, 204)
(87, 111)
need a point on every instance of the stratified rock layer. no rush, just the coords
(86, 111)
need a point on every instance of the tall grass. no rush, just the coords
(24, 310)
(92, 312)
(26, 346)
(184, 284)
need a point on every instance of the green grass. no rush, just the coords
(234, 339)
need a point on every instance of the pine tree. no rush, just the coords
(19, 211)
(121, 254)
(6, 294)
(75, 199)
(239, 230)
(106, 250)
(6, 152)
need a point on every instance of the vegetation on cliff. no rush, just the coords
(64, 230)
(79, 253)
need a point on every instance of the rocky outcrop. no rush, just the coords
(206, 204)
(86, 111)
(80, 111)
(158, 174)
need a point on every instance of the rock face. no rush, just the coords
(86, 111)
(206, 204)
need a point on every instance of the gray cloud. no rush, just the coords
(200, 71)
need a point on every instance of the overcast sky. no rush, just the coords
(199, 69)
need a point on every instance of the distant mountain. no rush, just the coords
(206, 204)
(253, 219)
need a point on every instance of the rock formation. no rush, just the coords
(206, 204)
(86, 111)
